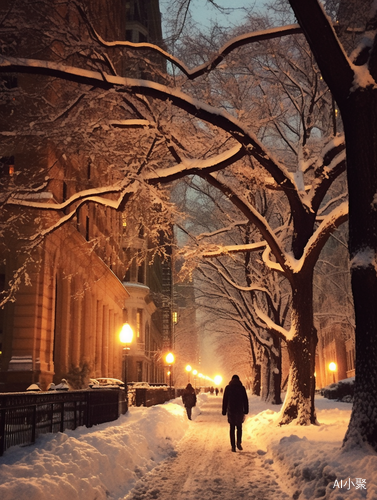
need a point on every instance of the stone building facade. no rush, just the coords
(72, 293)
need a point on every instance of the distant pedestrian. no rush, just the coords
(189, 399)
(216, 391)
(236, 406)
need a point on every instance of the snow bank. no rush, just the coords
(106, 461)
(311, 457)
(98, 463)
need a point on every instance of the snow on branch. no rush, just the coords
(190, 166)
(260, 222)
(226, 249)
(206, 67)
(130, 123)
(215, 116)
(93, 195)
(270, 263)
(223, 230)
(318, 239)
(252, 288)
(271, 325)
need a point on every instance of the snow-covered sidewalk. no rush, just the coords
(205, 467)
(158, 453)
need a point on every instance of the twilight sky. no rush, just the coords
(204, 13)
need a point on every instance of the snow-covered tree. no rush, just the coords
(352, 81)
(294, 253)
(227, 286)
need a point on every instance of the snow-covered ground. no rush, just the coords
(158, 453)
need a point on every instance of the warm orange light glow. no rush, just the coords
(195, 372)
(126, 334)
(332, 367)
(218, 379)
(170, 358)
(188, 368)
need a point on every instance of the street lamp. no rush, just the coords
(125, 336)
(188, 369)
(332, 368)
(170, 360)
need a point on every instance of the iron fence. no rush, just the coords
(149, 397)
(24, 416)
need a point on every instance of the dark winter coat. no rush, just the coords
(189, 396)
(235, 402)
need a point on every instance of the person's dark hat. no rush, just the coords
(235, 377)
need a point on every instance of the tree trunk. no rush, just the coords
(360, 124)
(299, 400)
(265, 376)
(256, 384)
(255, 369)
(275, 381)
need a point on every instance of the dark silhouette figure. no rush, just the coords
(216, 391)
(189, 399)
(236, 406)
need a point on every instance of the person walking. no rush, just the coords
(189, 399)
(236, 406)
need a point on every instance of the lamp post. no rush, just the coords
(332, 368)
(125, 336)
(170, 360)
(188, 369)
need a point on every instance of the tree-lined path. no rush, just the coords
(205, 468)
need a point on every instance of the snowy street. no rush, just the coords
(205, 467)
(157, 453)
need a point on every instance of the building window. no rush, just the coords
(351, 359)
(139, 324)
(139, 371)
(6, 166)
(141, 273)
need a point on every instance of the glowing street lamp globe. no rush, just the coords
(332, 367)
(126, 334)
(218, 379)
(170, 358)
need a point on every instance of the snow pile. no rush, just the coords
(97, 463)
(310, 458)
(106, 461)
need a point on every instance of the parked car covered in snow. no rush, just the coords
(105, 382)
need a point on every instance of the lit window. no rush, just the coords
(139, 318)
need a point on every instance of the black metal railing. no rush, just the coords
(149, 397)
(25, 416)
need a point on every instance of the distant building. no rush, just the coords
(335, 358)
(186, 338)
